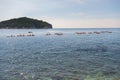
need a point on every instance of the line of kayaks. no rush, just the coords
(31, 34)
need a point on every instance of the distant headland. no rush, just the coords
(25, 23)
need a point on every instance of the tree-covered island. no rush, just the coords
(24, 23)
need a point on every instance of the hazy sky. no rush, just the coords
(65, 13)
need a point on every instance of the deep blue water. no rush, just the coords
(65, 57)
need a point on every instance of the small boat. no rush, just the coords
(80, 32)
(97, 32)
(21, 35)
(30, 35)
(58, 33)
(30, 32)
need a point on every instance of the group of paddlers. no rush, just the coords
(30, 34)
(78, 33)
(95, 32)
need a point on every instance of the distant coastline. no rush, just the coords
(24, 23)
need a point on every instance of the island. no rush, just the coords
(25, 23)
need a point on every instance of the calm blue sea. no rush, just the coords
(60, 57)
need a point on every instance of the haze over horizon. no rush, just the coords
(65, 13)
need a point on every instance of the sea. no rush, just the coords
(60, 54)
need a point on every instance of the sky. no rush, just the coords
(65, 13)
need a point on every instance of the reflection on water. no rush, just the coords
(65, 57)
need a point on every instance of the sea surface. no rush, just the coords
(69, 56)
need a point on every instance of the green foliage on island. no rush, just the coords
(24, 23)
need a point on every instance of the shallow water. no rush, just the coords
(65, 57)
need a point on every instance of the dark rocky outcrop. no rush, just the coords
(24, 23)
